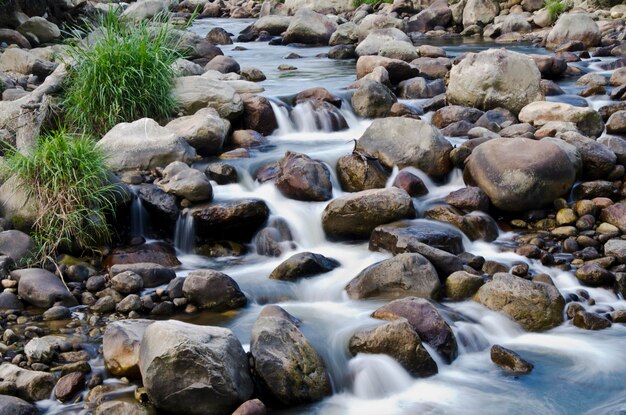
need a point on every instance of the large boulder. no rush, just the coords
(196, 92)
(233, 220)
(185, 182)
(356, 215)
(43, 30)
(258, 114)
(302, 178)
(377, 39)
(587, 120)
(404, 275)
(533, 305)
(405, 142)
(205, 130)
(120, 346)
(273, 24)
(196, 370)
(10, 405)
(495, 78)
(213, 290)
(143, 145)
(16, 244)
(310, 28)
(519, 173)
(286, 368)
(574, 27)
(42, 288)
(398, 340)
(30, 385)
(146, 9)
(480, 12)
(426, 320)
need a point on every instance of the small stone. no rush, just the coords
(590, 321)
(565, 217)
(510, 361)
(105, 304)
(594, 275)
(69, 385)
(57, 313)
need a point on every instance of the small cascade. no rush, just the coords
(377, 376)
(309, 117)
(281, 112)
(184, 236)
(138, 215)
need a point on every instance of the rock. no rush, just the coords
(590, 321)
(235, 220)
(594, 275)
(396, 49)
(273, 24)
(213, 290)
(10, 405)
(127, 282)
(402, 276)
(357, 173)
(327, 117)
(372, 100)
(342, 52)
(410, 235)
(223, 64)
(495, 78)
(69, 385)
(321, 6)
(219, 36)
(574, 27)
(30, 385)
(615, 215)
(598, 160)
(9, 302)
(120, 345)
(426, 320)
(346, 34)
(258, 114)
(143, 145)
(519, 173)
(418, 88)
(410, 183)
(450, 114)
(251, 407)
(588, 121)
(356, 215)
(122, 408)
(302, 178)
(247, 139)
(437, 14)
(398, 340)
(461, 285)
(286, 368)
(153, 275)
(469, 198)
(252, 74)
(533, 305)
(214, 364)
(310, 28)
(617, 123)
(616, 248)
(186, 182)
(398, 70)
(379, 38)
(304, 264)
(145, 9)
(407, 142)
(510, 361)
(183, 67)
(479, 12)
(197, 92)
(205, 130)
(222, 173)
(476, 226)
(42, 288)
(17, 245)
(25, 63)
(162, 206)
(43, 30)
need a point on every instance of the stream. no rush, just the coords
(576, 371)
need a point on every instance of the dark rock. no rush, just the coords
(410, 183)
(510, 361)
(69, 385)
(590, 321)
(42, 288)
(302, 178)
(469, 198)
(10, 405)
(213, 290)
(236, 220)
(358, 172)
(304, 264)
(155, 253)
(153, 275)
(594, 275)
(222, 173)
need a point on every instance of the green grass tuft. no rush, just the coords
(556, 8)
(67, 177)
(121, 72)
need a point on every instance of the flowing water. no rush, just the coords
(576, 371)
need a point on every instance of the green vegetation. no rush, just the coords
(67, 177)
(122, 72)
(357, 3)
(556, 8)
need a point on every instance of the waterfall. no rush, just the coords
(184, 236)
(138, 215)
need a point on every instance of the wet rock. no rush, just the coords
(616, 248)
(152, 274)
(247, 139)
(213, 290)
(357, 172)
(185, 182)
(273, 24)
(356, 215)
(437, 14)
(161, 205)
(235, 220)
(588, 121)
(342, 52)
(398, 70)
(407, 142)
(410, 183)
(286, 368)
(9, 302)
(495, 78)
(594, 275)
(326, 115)
(205, 130)
(616, 123)
(17, 245)
(214, 364)
(10, 405)
(461, 285)
(30, 385)
(519, 173)
(401, 276)
(196, 92)
(258, 114)
(510, 361)
(223, 64)
(372, 100)
(156, 252)
(426, 320)
(127, 282)
(270, 241)
(304, 264)
(398, 340)
(303, 178)
(476, 226)
(122, 408)
(129, 303)
(615, 215)
(469, 198)
(222, 173)
(219, 36)
(598, 160)
(450, 114)
(533, 305)
(310, 28)
(590, 321)
(574, 27)
(69, 385)
(42, 288)
(121, 343)
(143, 145)
(418, 88)
(251, 407)
(104, 305)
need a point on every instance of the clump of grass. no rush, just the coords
(124, 73)
(556, 8)
(373, 3)
(67, 178)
